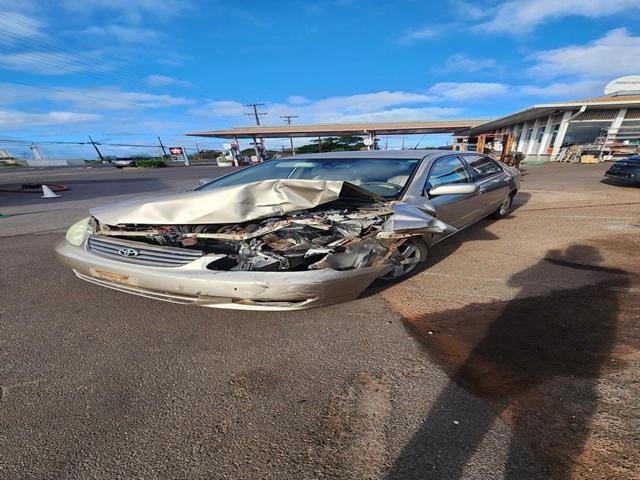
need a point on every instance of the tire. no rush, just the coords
(505, 207)
(410, 259)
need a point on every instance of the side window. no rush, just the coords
(482, 167)
(448, 170)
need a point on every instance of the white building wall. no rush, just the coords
(521, 142)
(530, 143)
(564, 124)
(544, 143)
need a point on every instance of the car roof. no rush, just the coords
(374, 154)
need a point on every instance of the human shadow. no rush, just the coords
(534, 360)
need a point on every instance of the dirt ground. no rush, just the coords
(539, 314)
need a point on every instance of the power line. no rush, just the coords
(76, 94)
(9, 42)
(37, 44)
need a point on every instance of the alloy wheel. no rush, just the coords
(406, 260)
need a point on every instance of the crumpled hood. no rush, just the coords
(231, 204)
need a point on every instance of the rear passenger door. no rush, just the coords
(456, 210)
(492, 182)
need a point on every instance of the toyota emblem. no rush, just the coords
(128, 252)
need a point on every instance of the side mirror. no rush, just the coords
(454, 189)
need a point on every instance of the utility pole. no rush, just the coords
(257, 116)
(164, 152)
(288, 118)
(255, 112)
(96, 147)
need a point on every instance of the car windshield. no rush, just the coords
(386, 177)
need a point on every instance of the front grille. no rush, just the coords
(144, 254)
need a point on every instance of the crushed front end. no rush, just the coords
(324, 254)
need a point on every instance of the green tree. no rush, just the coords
(344, 143)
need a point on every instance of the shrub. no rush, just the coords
(150, 163)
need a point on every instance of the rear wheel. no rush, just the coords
(505, 207)
(408, 260)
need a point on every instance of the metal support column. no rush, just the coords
(562, 131)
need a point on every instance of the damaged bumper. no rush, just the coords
(193, 283)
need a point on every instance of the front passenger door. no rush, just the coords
(457, 210)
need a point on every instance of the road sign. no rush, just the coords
(179, 154)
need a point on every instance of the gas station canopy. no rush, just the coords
(343, 129)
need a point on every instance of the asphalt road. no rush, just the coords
(422, 380)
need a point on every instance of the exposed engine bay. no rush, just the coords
(340, 226)
(330, 238)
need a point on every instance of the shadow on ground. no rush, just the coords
(440, 251)
(537, 359)
(619, 182)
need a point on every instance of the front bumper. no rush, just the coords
(632, 174)
(195, 284)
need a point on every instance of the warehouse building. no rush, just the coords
(594, 129)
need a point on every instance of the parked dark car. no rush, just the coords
(626, 169)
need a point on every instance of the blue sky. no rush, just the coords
(126, 71)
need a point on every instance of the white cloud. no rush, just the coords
(367, 101)
(96, 98)
(43, 63)
(462, 63)
(517, 16)
(297, 100)
(164, 80)
(564, 90)
(112, 98)
(396, 115)
(130, 8)
(616, 53)
(469, 10)
(221, 108)
(125, 34)
(379, 106)
(16, 26)
(11, 94)
(468, 90)
(324, 110)
(425, 33)
(14, 119)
